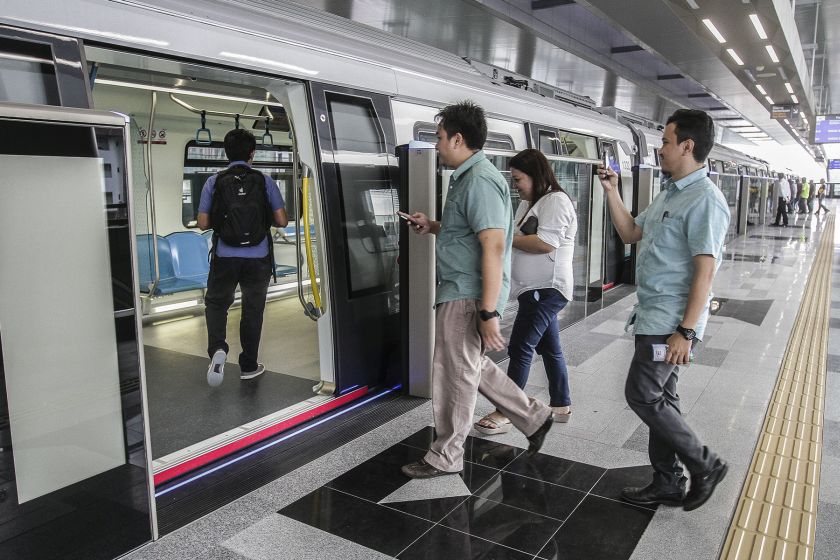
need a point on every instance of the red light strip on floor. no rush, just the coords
(216, 454)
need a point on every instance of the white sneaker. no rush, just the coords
(252, 374)
(216, 371)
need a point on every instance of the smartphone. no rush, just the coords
(659, 351)
(406, 217)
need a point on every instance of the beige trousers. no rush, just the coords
(459, 372)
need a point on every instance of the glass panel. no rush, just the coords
(578, 145)
(70, 372)
(729, 187)
(28, 72)
(754, 201)
(548, 143)
(354, 125)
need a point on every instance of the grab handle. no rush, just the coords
(203, 128)
(267, 134)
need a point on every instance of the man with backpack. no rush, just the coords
(240, 204)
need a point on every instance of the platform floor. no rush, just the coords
(353, 503)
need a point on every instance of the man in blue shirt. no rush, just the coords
(681, 236)
(248, 263)
(472, 248)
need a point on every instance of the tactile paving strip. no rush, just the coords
(776, 517)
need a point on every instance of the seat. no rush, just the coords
(168, 283)
(189, 257)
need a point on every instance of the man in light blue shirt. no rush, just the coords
(680, 236)
(473, 248)
(240, 204)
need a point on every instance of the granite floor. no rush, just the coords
(353, 502)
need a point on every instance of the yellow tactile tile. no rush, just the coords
(777, 512)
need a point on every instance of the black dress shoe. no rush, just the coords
(703, 485)
(535, 440)
(651, 495)
(422, 469)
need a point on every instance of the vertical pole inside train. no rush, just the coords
(418, 186)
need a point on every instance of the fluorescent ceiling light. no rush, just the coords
(794, 99)
(770, 101)
(692, 4)
(787, 121)
(761, 89)
(740, 129)
(152, 87)
(772, 52)
(735, 57)
(758, 27)
(711, 26)
(788, 87)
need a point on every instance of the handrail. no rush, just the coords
(156, 279)
(295, 165)
(192, 109)
(310, 261)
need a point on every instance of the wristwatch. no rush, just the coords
(687, 334)
(487, 315)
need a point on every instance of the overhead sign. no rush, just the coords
(827, 129)
(834, 164)
(782, 112)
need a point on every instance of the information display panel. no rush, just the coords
(827, 129)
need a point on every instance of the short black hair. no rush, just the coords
(695, 125)
(467, 118)
(240, 143)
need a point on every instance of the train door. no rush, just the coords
(74, 458)
(359, 174)
(616, 253)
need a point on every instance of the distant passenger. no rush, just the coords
(541, 281)
(821, 198)
(240, 204)
(681, 237)
(797, 196)
(804, 195)
(812, 194)
(781, 192)
(473, 280)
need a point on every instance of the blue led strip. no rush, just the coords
(275, 442)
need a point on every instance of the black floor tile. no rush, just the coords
(501, 524)
(442, 543)
(615, 480)
(532, 495)
(385, 530)
(555, 470)
(380, 475)
(599, 529)
(476, 450)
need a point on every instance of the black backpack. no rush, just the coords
(240, 214)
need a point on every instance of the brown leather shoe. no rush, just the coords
(422, 469)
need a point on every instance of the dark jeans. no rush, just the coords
(252, 275)
(536, 327)
(651, 391)
(781, 214)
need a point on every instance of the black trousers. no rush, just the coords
(651, 391)
(781, 212)
(253, 276)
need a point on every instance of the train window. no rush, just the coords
(549, 144)
(427, 132)
(578, 145)
(28, 73)
(354, 125)
(496, 141)
(201, 162)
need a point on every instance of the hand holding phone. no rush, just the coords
(406, 217)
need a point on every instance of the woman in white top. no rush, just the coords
(541, 279)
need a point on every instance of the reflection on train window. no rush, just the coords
(577, 145)
(201, 162)
(354, 124)
(502, 163)
(28, 73)
(549, 144)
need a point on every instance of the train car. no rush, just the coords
(329, 101)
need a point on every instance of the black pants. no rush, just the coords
(651, 391)
(781, 212)
(253, 276)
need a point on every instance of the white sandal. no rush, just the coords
(499, 427)
(561, 417)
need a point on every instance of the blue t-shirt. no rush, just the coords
(275, 200)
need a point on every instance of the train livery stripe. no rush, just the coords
(214, 455)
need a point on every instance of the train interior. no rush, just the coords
(176, 145)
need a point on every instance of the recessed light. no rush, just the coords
(772, 52)
(761, 89)
(692, 4)
(794, 99)
(788, 87)
(758, 27)
(735, 57)
(711, 26)
(770, 101)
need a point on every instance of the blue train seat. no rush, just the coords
(169, 283)
(285, 269)
(189, 256)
